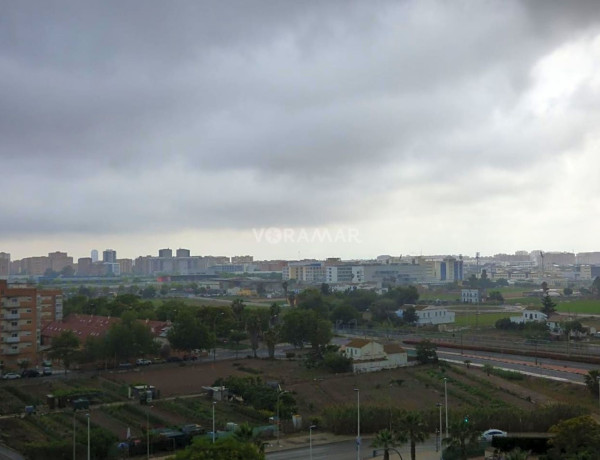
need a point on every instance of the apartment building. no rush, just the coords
(4, 264)
(23, 312)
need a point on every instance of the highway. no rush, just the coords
(346, 450)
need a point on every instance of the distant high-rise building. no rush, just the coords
(126, 265)
(109, 256)
(165, 253)
(94, 255)
(59, 261)
(183, 253)
(4, 264)
(242, 259)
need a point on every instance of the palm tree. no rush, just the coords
(245, 433)
(462, 433)
(413, 428)
(386, 440)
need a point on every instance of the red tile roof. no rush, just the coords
(85, 326)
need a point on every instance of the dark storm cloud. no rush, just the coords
(168, 115)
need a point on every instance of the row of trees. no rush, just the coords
(126, 339)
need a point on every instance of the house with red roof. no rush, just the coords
(84, 326)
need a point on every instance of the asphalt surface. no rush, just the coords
(346, 450)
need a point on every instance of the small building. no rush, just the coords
(429, 315)
(529, 315)
(371, 356)
(470, 296)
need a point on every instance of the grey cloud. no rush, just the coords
(158, 115)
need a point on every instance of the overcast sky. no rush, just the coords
(293, 129)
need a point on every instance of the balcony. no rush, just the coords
(12, 316)
(10, 351)
(11, 339)
(10, 328)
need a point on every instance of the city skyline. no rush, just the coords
(411, 127)
(533, 254)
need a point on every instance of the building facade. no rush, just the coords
(23, 313)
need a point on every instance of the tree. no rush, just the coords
(271, 338)
(149, 292)
(344, 313)
(426, 352)
(274, 311)
(188, 333)
(576, 438)
(386, 440)
(412, 427)
(284, 285)
(320, 334)
(237, 337)
(495, 296)
(227, 448)
(245, 434)
(64, 348)
(461, 435)
(253, 326)
(596, 286)
(336, 362)
(237, 307)
(591, 381)
(548, 306)
(409, 316)
(312, 299)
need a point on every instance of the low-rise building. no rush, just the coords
(428, 315)
(371, 356)
(529, 315)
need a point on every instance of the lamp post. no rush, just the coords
(310, 428)
(74, 437)
(278, 421)
(357, 423)
(446, 404)
(88, 436)
(598, 389)
(439, 438)
(148, 432)
(213, 420)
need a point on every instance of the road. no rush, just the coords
(9, 454)
(346, 450)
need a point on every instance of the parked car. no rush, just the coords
(143, 362)
(492, 433)
(30, 373)
(47, 371)
(11, 376)
(125, 365)
(174, 359)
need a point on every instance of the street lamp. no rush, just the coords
(213, 420)
(357, 423)
(148, 432)
(598, 378)
(278, 421)
(310, 428)
(439, 439)
(74, 436)
(446, 404)
(88, 436)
